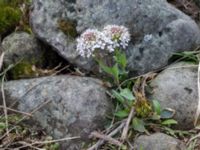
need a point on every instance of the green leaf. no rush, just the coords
(120, 58)
(118, 96)
(113, 71)
(122, 114)
(156, 107)
(167, 113)
(105, 68)
(170, 131)
(188, 56)
(155, 117)
(2, 125)
(169, 122)
(138, 125)
(127, 94)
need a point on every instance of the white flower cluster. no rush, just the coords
(109, 39)
(89, 41)
(118, 34)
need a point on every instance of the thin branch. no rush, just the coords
(1, 60)
(111, 134)
(60, 70)
(167, 67)
(4, 104)
(198, 108)
(126, 127)
(25, 144)
(106, 138)
(58, 140)
(46, 142)
(193, 138)
(16, 111)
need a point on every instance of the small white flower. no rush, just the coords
(89, 41)
(119, 36)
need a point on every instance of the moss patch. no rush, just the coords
(24, 69)
(9, 15)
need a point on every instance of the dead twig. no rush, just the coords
(126, 127)
(167, 67)
(4, 104)
(1, 60)
(46, 142)
(193, 138)
(198, 107)
(58, 140)
(16, 111)
(26, 145)
(106, 138)
(111, 134)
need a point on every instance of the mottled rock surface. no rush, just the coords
(176, 88)
(21, 46)
(75, 106)
(158, 141)
(24, 52)
(155, 36)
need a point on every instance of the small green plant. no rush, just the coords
(188, 56)
(146, 112)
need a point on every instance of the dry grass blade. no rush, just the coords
(126, 128)
(46, 142)
(5, 106)
(198, 108)
(111, 134)
(1, 60)
(16, 111)
(106, 138)
(193, 138)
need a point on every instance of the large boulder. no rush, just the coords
(158, 141)
(67, 106)
(176, 88)
(155, 36)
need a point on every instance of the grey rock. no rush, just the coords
(176, 88)
(75, 106)
(22, 46)
(170, 29)
(158, 141)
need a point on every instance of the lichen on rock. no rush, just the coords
(68, 27)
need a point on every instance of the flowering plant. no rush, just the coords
(113, 39)
(131, 102)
